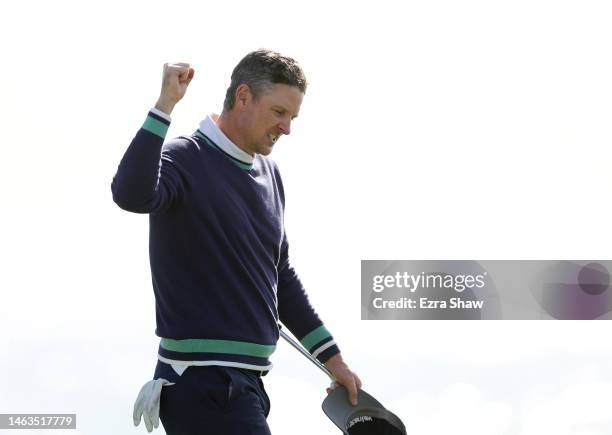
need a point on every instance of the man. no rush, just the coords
(219, 253)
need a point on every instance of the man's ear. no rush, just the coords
(243, 96)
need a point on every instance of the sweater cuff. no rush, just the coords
(320, 343)
(156, 123)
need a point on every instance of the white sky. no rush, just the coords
(430, 130)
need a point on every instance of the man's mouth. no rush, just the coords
(273, 137)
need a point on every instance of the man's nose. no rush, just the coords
(285, 127)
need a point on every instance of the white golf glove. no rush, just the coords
(147, 403)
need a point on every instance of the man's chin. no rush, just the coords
(264, 150)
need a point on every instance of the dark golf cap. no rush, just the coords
(369, 417)
(374, 422)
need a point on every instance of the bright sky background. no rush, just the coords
(430, 130)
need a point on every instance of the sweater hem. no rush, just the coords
(235, 364)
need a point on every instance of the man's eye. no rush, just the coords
(279, 112)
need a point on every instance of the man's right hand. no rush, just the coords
(177, 77)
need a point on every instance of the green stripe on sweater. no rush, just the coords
(241, 165)
(218, 346)
(314, 337)
(156, 127)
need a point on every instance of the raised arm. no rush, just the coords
(148, 178)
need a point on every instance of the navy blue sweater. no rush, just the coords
(218, 251)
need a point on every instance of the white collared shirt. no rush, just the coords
(210, 129)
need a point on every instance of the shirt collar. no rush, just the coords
(208, 127)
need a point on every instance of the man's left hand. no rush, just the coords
(344, 376)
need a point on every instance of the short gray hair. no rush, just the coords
(262, 68)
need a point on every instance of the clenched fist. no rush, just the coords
(176, 78)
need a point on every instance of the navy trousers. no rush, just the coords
(213, 400)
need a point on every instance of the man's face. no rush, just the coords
(268, 117)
